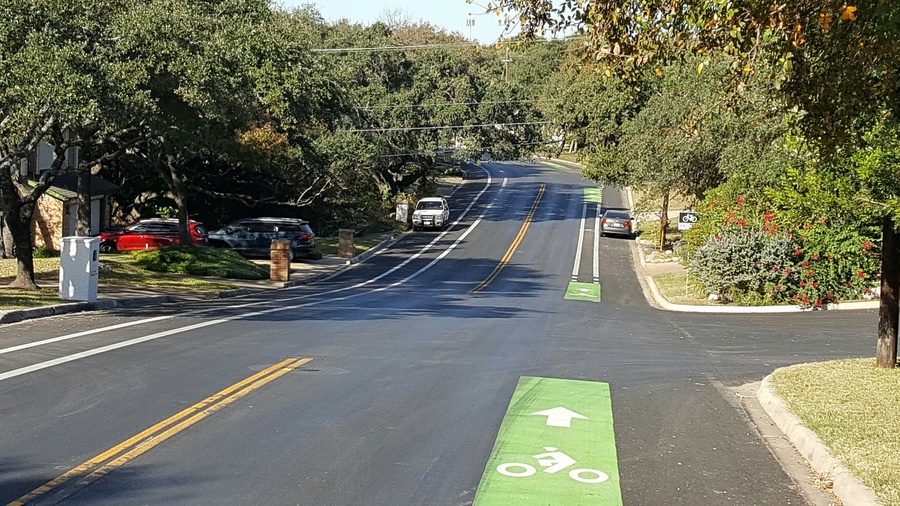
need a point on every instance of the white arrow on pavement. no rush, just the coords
(559, 417)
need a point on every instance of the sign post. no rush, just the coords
(687, 219)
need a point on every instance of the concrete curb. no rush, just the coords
(663, 303)
(684, 308)
(850, 490)
(18, 315)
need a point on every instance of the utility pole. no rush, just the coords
(470, 22)
(506, 66)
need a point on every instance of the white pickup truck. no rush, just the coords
(431, 212)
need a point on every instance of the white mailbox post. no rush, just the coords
(79, 264)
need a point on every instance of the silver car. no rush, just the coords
(616, 222)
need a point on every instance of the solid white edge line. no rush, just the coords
(577, 266)
(597, 246)
(77, 356)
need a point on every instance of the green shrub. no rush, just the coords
(739, 262)
(44, 252)
(836, 242)
(200, 261)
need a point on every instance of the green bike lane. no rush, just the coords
(587, 289)
(556, 445)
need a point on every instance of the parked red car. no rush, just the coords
(149, 234)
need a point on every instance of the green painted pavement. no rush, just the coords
(539, 460)
(558, 166)
(594, 195)
(583, 291)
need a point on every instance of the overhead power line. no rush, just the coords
(392, 48)
(333, 50)
(444, 127)
(423, 153)
(443, 104)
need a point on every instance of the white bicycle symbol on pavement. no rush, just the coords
(554, 461)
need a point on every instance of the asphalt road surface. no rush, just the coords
(416, 356)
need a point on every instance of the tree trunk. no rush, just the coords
(19, 223)
(180, 193)
(664, 221)
(889, 310)
(83, 221)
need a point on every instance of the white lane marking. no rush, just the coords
(505, 180)
(84, 333)
(580, 243)
(597, 246)
(131, 342)
(560, 416)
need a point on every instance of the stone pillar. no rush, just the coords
(280, 260)
(346, 246)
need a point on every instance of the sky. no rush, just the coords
(452, 15)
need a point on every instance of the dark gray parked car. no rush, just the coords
(252, 237)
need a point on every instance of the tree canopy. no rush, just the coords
(834, 62)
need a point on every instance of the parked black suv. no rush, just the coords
(252, 237)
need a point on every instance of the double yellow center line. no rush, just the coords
(121, 454)
(512, 248)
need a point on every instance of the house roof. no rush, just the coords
(66, 186)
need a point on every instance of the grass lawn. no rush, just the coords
(42, 267)
(570, 157)
(176, 268)
(11, 298)
(123, 269)
(673, 289)
(328, 246)
(649, 231)
(651, 202)
(853, 407)
(119, 269)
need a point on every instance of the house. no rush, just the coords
(56, 212)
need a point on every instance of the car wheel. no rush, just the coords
(291, 255)
(107, 247)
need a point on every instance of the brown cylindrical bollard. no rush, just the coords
(280, 260)
(346, 247)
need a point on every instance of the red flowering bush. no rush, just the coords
(737, 263)
(803, 243)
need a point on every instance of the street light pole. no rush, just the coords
(470, 22)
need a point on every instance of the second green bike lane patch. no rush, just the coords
(556, 445)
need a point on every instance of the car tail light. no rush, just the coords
(627, 224)
(304, 236)
(606, 222)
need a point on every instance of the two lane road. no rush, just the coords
(415, 357)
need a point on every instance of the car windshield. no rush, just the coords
(429, 205)
(617, 215)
